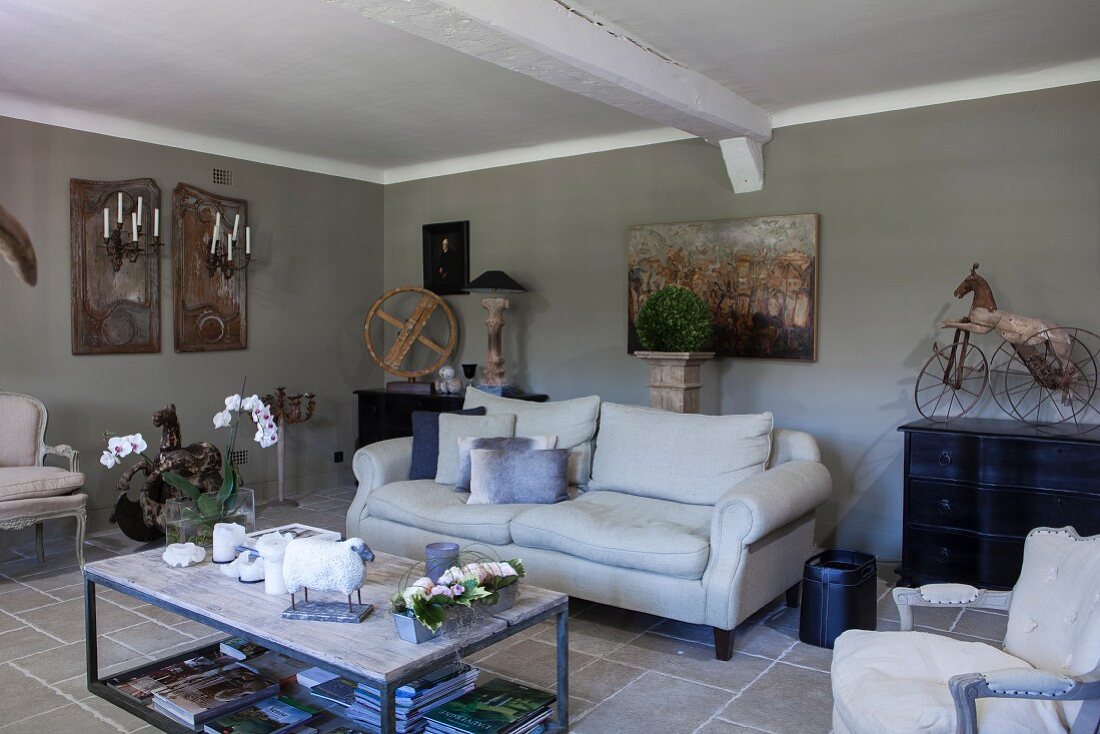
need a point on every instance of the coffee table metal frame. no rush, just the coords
(385, 689)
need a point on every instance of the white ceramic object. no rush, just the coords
(227, 536)
(272, 548)
(246, 568)
(324, 565)
(183, 554)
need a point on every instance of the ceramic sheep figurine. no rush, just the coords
(325, 565)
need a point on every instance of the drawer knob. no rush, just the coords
(943, 555)
(945, 458)
(945, 506)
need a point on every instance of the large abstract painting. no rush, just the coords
(758, 275)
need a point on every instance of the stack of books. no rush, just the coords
(142, 684)
(239, 648)
(498, 707)
(199, 698)
(271, 716)
(411, 699)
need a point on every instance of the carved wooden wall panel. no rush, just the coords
(112, 312)
(210, 310)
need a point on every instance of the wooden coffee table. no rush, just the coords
(369, 653)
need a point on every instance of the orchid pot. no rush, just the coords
(193, 520)
(506, 599)
(410, 629)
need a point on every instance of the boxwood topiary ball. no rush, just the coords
(673, 319)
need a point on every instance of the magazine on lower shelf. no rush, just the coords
(273, 715)
(413, 698)
(206, 696)
(497, 707)
(142, 686)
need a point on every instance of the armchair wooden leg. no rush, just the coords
(39, 549)
(723, 643)
(794, 595)
(81, 527)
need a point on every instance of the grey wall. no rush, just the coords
(907, 201)
(317, 265)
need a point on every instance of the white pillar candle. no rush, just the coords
(156, 222)
(120, 207)
(140, 202)
(106, 226)
(248, 240)
(227, 535)
(236, 224)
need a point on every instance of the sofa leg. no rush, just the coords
(793, 595)
(723, 643)
(39, 549)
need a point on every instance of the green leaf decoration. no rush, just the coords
(209, 505)
(177, 480)
(229, 482)
(518, 565)
(673, 319)
(429, 615)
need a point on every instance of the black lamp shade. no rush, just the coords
(494, 281)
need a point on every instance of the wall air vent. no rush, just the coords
(239, 458)
(223, 177)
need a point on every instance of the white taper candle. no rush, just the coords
(140, 202)
(236, 224)
(230, 237)
(248, 240)
(120, 207)
(156, 222)
(133, 226)
(106, 226)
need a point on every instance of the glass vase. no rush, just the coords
(183, 522)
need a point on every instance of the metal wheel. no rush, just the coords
(1049, 379)
(951, 382)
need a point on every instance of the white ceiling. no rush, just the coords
(310, 85)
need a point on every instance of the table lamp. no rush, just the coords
(494, 281)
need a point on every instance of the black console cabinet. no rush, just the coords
(385, 414)
(975, 487)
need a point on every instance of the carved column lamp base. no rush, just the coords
(495, 281)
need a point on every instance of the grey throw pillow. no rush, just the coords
(517, 443)
(499, 477)
(452, 427)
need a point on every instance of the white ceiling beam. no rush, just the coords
(744, 163)
(546, 40)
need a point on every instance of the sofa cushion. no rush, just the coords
(572, 421)
(453, 427)
(425, 452)
(618, 529)
(897, 682)
(535, 477)
(466, 444)
(72, 503)
(25, 482)
(673, 456)
(437, 508)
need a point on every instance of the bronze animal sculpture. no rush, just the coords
(15, 246)
(200, 462)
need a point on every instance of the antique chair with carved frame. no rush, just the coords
(30, 492)
(1045, 679)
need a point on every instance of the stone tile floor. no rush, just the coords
(630, 672)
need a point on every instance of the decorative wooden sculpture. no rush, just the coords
(15, 246)
(288, 410)
(210, 308)
(113, 311)
(1041, 374)
(410, 331)
(200, 462)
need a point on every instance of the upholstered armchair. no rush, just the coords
(30, 492)
(1045, 679)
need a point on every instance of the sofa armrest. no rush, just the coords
(956, 596)
(376, 465)
(67, 452)
(768, 501)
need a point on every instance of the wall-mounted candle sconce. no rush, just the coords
(224, 259)
(129, 248)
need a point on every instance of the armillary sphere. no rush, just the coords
(410, 331)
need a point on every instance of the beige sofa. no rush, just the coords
(702, 519)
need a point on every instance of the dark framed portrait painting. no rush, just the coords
(447, 257)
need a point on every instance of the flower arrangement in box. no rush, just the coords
(428, 602)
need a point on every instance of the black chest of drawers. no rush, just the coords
(385, 414)
(975, 487)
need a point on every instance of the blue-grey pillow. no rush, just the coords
(425, 453)
(504, 443)
(501, 476)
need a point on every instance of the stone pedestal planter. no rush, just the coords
(674, 380)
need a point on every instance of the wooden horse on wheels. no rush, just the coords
(200, 462)
(1027, 335)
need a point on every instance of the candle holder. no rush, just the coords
(119, 248)
(288, 409)
(220, 260)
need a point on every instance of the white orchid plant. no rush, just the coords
(210, 505)
(428, 601)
